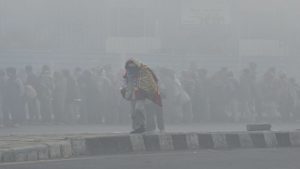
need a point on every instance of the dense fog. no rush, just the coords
(216, 60)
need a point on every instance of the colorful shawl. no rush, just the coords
(147, 81)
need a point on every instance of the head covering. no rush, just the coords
(132, 62)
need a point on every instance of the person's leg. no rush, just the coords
(42, 107)
(17, 112)
(46, 110)
(32, 110)
(160, 118)
(138, 116)
(150, 112)
(6, 114)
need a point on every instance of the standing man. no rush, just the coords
(140, 84)
(31, 86)
(13, 107)
(45, 94)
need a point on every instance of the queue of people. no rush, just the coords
(92, 96)
(227, 97)
(58, 97)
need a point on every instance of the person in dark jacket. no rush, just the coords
(72, 97)
(45, 93)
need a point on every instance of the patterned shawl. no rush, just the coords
(147, 81)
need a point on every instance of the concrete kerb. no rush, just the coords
(295, 138)
(66, 149)
(26, 153)
(270, 138)
(219, 140)
(7, 155)
(43, 152)
(54, 151)
(78, 146)
(245, 140)
(50, 150)
(60, 149)
(165, 142)
(192, 141)
(213, 140)
(139, 143)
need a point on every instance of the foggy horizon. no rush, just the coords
(212, 33)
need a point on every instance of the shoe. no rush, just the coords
(139, 130)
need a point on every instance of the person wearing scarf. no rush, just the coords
(140, 83)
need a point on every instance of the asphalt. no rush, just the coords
(282, 158)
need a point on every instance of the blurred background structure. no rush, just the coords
(174, 32)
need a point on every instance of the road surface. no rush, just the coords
(282, 158)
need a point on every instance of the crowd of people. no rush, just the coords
(92, 96)
(229, 97)
(59, 96)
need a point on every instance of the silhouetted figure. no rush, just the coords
(59, 97)
(45, 93)
(31, 87)
(72, 96)
(269, 91)
(90, 98)
(13, 103)
(201, 104)
(285, 98)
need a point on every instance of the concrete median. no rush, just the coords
(82, 145)
(191, 141)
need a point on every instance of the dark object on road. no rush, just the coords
(259, 127)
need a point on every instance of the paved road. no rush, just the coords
(96, 129)
(206, 159)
